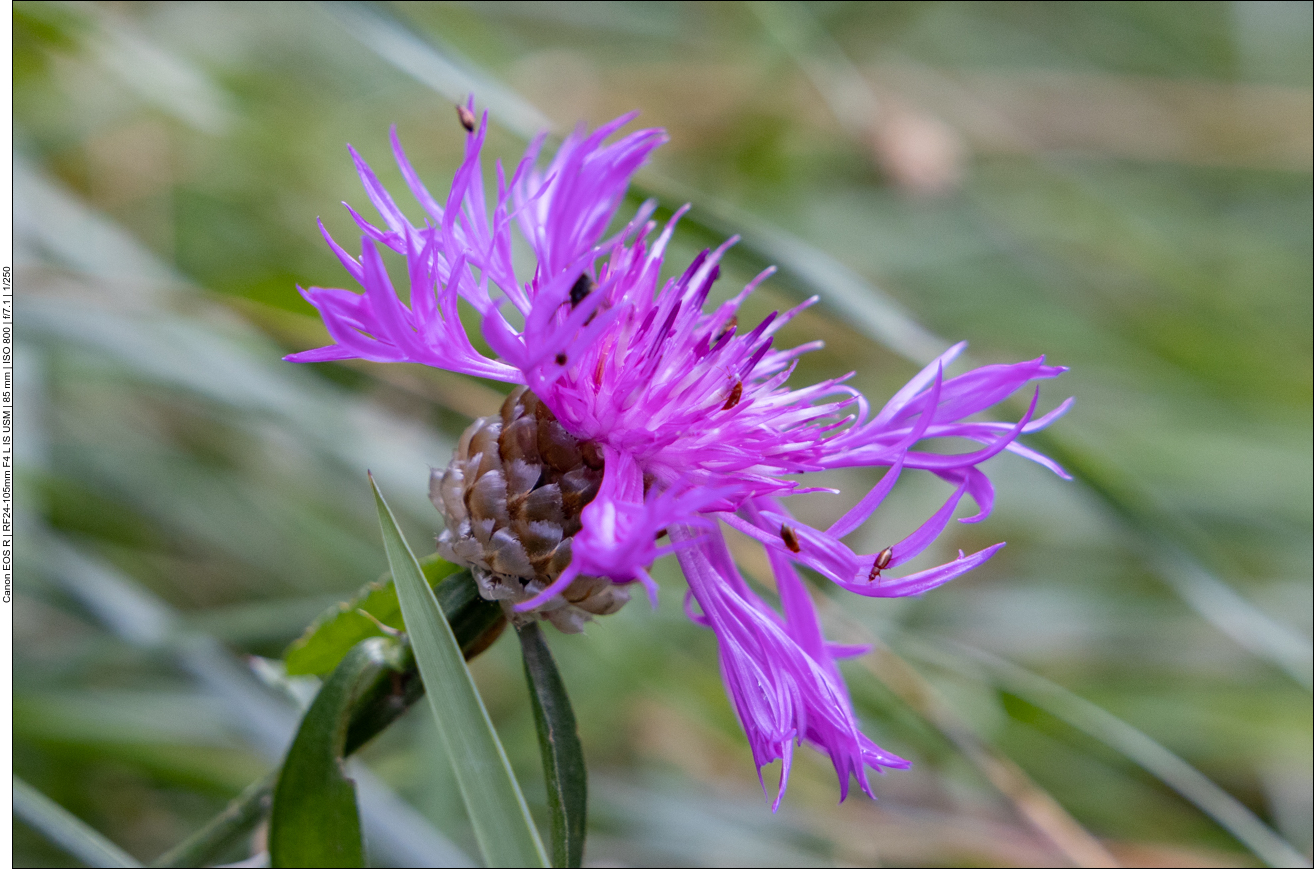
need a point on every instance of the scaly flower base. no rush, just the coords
(512, 498)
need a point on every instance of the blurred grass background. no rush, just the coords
(1125, 187)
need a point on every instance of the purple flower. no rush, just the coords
(648, 423)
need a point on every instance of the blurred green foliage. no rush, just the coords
(1125, 187)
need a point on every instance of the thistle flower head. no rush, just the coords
(645, 422)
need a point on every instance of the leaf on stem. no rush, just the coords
(496, 807)
(343, 625)
(315, 820)
(558, 742)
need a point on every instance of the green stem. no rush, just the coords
(225, 828)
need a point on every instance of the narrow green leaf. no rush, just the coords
(558, 743)
(315, 821)
(343, 625)
(60, 826)
(497, 809)
(1154, 758)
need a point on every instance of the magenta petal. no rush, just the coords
(926, 580)
(321, 354)
(982, 491)
(839, 651)
(557, 587)
(911, 546)
(348, 261)
(923, 379)
(418, 190)
(873, 499)
(782, 694)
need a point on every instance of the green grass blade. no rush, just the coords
(396, 41)
(492, 797)
(558, 743)
(1168, 542)
(64, 829)
(315, 820)
(1150, 755)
